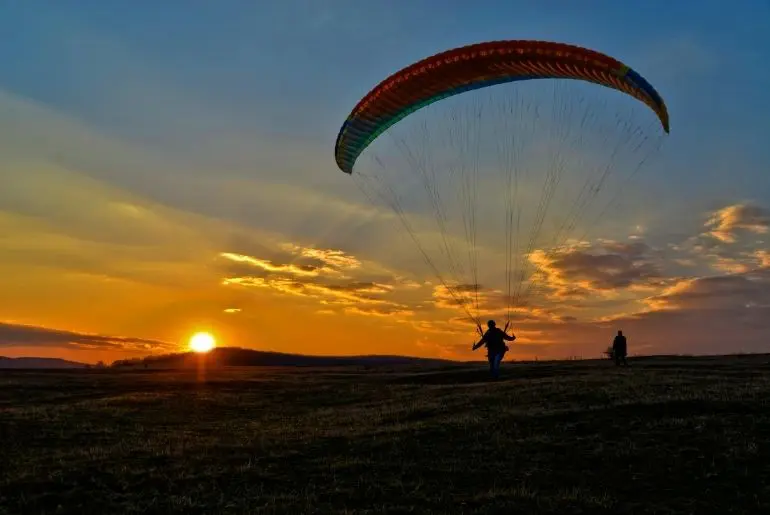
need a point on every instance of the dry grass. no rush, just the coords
(665, 436)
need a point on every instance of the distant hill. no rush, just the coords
(237, 357)
(38, 363)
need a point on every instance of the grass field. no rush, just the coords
(667, 435)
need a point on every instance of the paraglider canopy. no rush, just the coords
(478, 66)
(472, 131)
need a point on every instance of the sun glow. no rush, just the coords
(202, 342)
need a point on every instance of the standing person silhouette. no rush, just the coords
(620, 349)
(494, 338)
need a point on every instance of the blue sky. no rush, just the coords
(218, 119)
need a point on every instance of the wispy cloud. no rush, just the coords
(341, 294)
(392, 311)
(472, 300)
(18, 335)
(724, 224)
(732, 240)
(763, 256)
(330, 277)
(332, 257)
(269, 266)
(717, 292)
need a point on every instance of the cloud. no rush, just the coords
(715, 314)
(718, 292)
(582, 281)
(724, 224)
(76, 224)
(468, 298)
(348, 294)
(763, 256)
(335, 258)
(490, 304)
(269, 266)
(581, 270)
(731, 265)
(731, 243)
(18, 335)
(453, 327)
(295, 260)
(454, 296)
(330, 277)
(379, 312)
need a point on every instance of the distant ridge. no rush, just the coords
(238, 357)
(38, 363)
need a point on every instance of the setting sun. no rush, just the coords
(202, 342)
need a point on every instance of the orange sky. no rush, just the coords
(91, 270)
(150, 190)
(143, 277)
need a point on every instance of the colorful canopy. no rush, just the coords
(477, 66)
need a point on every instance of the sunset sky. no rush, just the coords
(168, 168)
